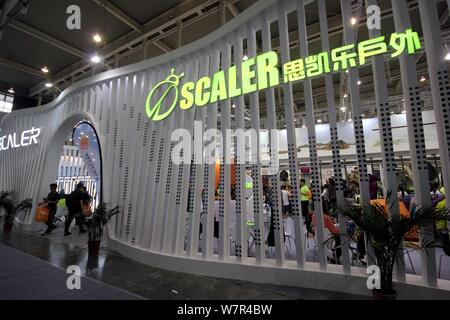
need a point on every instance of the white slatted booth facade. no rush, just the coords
(163, 203)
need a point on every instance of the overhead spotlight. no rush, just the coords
(11, 90)
(233, 106)
(95, 59)
(245, 57)
(44, 69)
(346, 71)
(343, 109)
(97, 38)
(48, 85)
(319, 120)
(359, 82)
(422, 79)
(345, 95)
(353, 21)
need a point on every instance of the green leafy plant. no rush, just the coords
(11, 208)
(99, 218)
(386, 232)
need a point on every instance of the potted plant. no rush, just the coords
(10, 208)
(95, 223)
(386, 233)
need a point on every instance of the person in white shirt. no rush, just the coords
(285, 199)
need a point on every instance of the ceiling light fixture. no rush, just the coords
(359, 82)
(422, 79)
(343, 109)
(44, 69)
(345, 95)
(11, 90)
(95, 59)
(353, 21)
(245, 57)
(447, 56)
(97, 38)
(319, 120)
(49, 85)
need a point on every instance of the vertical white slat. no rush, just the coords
(239, 155)
(440, 90)
(196, 188)
(210, 170)
(124, 170)
(172, 187)
(384, 123)
(116, 178)
(138, 166)
(225, 167)
(183, 186)
(353, 76)
(275, 177)
(337, 166)
(164, 187)
(414, 122)
(258, 205)
(311, 128)
(155, 161)
(134, 152)
(147, 145)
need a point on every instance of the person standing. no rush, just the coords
(332, 199)
(75, 206)
(51, 200)
(305, 195)
(285, 199)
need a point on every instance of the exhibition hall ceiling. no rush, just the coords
(140, 29)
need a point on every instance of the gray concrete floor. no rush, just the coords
(152, 283)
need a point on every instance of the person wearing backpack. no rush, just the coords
(51, 200)
(74, 203)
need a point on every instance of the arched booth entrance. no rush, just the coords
(79, 129)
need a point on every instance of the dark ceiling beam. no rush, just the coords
(119, 14)
(47, 38)
(163, 46)
(233, 9)
(21, 67)
(154, 30)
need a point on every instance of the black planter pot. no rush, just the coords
(7, 227)
(381, 295)
(93, 247)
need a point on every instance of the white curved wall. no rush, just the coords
(152, 191)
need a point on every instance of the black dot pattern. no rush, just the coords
(121, 150)
(160, 156)
(386, 136)
(416, 115)
(360, 149)
(169, 170)
(444, 91)
(295, 202)
(152, 146)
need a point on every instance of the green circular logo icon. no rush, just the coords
(171, 82)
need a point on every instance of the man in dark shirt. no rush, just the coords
(74, 206)
(51, 200)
